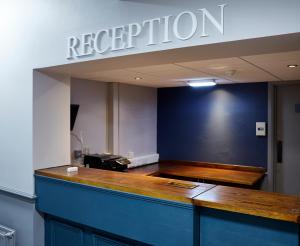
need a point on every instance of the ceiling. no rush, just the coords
(244, 61)
(256, 68)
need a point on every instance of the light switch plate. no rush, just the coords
(261, 129)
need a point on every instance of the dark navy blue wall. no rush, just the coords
(213, 124)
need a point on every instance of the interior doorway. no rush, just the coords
(287, 159)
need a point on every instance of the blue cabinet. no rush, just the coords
(134, 217)
(62, 233)
(220, 228)
(102, 241)
(82, 215)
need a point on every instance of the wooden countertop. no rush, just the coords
(203, 171)
(252, 202)
(213, 174)
(168, 189)
(245, 201)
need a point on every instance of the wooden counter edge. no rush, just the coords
(215, 179)
(152, 194)
(260, 213)
(216, 165)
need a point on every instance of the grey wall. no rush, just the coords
(92, 115)
(137, 120)
(136, 109)
(19, 213)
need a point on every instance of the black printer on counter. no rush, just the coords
(106, 161)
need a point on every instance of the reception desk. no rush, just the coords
(97, 207)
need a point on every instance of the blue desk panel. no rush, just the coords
(144, 219)
(219, 228)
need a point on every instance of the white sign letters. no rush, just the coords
(125, 36)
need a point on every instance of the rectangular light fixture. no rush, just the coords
(201, 83)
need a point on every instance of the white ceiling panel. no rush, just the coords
(117, 75)
(234, 69)
(169, 72)
(256, 68)
(128, 76)
(277, 64)
(167, 75)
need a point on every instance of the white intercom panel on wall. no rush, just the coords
(261, 129)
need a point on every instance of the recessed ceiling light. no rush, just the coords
(138, 78)
(292, 66)
(201, 83)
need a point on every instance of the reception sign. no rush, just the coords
(157, 30)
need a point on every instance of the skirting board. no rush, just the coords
(143, 160)
(15, 192)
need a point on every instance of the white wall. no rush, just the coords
(137, 120)
(135, 111)
(34, 35)
(92, 115)
(51, 121)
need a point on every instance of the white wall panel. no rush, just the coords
(51, 121)
(91, 119)
(137, 120)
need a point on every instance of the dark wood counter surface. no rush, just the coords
(168, 189)
(214, 174)
(252, 202)
(232, 174)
